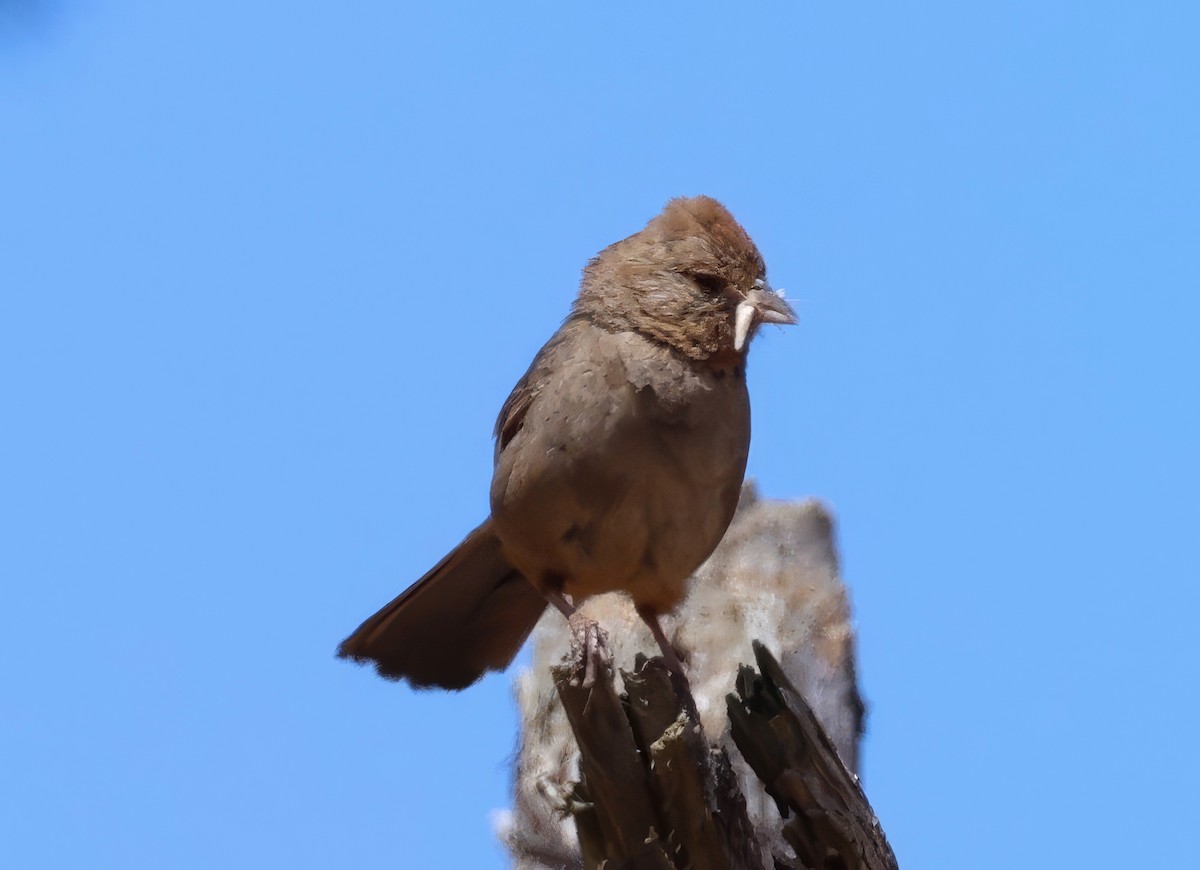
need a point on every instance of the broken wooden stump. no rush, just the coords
(654, 793)
(831, 822)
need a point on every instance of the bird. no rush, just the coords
(619, 455)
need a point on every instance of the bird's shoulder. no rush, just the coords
(577, 343)
(587, 364)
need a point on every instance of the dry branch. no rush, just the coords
(832, 824)
(654, 793)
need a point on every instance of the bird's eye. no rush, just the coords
(712, 284)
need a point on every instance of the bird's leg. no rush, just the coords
(679, 680)
(565, 607)
(580, 624)
(670, 655)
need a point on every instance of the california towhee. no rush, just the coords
(619, 455)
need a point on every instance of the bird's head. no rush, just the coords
(692, 278)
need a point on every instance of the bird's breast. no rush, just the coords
(626, 470)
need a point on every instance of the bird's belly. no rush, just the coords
(634, 506)
(658, 529)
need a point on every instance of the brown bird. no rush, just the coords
(619, 454)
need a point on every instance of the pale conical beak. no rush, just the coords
(761, 305)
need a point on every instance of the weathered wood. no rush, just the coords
(614, 774)
(652, 789)
(710, 832)
(655, 794)
(832, 824)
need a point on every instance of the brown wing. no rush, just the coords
(516, 406)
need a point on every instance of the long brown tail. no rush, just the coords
(469, 614)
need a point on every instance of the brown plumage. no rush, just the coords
(619, 454)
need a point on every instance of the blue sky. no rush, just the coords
(267, 272)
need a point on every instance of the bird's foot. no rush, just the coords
(593, 643)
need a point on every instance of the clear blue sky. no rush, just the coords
(267, 272)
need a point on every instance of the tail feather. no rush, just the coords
(469, 614)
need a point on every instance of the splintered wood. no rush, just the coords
(831, 822)
(654, 793)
